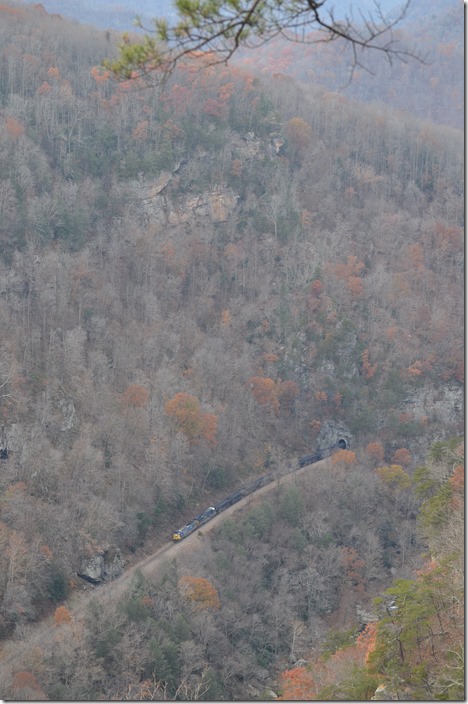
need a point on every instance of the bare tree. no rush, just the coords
(219, 28)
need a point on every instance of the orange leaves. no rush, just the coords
(352, 268)
(298, 685)
(375, 451)
(316, 287)
(226, 318)
(14, 128)
(416, 256)
(449, 238)
(351, 274)
(344, 457)
(355, 285)
(367, 640)
(100, 75)
(274, 394)
(140, 132)
(236, 167)
(191, 420)
(210, 428)
(368, 369)
(225, 91)
(306, 218)
(457, 484)
(44, 88)
(178, 98)
(402, 457)
(337, 399)
(265, 392)
(354, 566)
(53, 72)
(135, 396)
(200, 592)
(212, 107)
(419, 367)
(46, 551)
(457, 480)
(26, 686)
(270, 357)
(415, 369)
(308, 683)
(62, 615)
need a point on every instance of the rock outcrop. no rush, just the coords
(333, 435)
(103, 566)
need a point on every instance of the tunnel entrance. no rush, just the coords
(342, 444)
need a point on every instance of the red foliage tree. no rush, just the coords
(402, 456)
(298, 685)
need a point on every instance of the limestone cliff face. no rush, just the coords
(443, 404)
(215, 205)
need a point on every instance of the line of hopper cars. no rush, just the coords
(213, 511)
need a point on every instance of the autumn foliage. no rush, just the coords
(135, 396)
(375, 451)
(298, 685)
(200, 592)
(402, 456)
(274, 395)
(191, 420)
(26, 686)
(62, 615)
(14, 128)
(394, 477)
(344, 457)
(329, 678)
(265, 392)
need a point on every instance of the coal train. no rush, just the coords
(213, 511)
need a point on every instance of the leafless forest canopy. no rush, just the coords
(196, 286)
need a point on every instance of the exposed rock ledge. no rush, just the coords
(104, 566)
(215, 205)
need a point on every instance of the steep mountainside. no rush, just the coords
(430, 87)
(199, 284)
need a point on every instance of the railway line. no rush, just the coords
(15, 653)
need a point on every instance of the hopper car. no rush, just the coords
(213, 511)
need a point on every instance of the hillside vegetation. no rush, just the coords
(278, 603)
(196, 285)
(413, 649)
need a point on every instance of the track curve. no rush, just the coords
(14, 652)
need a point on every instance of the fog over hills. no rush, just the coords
(431, 90)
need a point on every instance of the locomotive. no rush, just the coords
(213, 511)
(207, 515)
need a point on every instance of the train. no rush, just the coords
(213, 511)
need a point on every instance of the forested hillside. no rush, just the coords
(413, 649)
(429, 86)
(196, 285)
